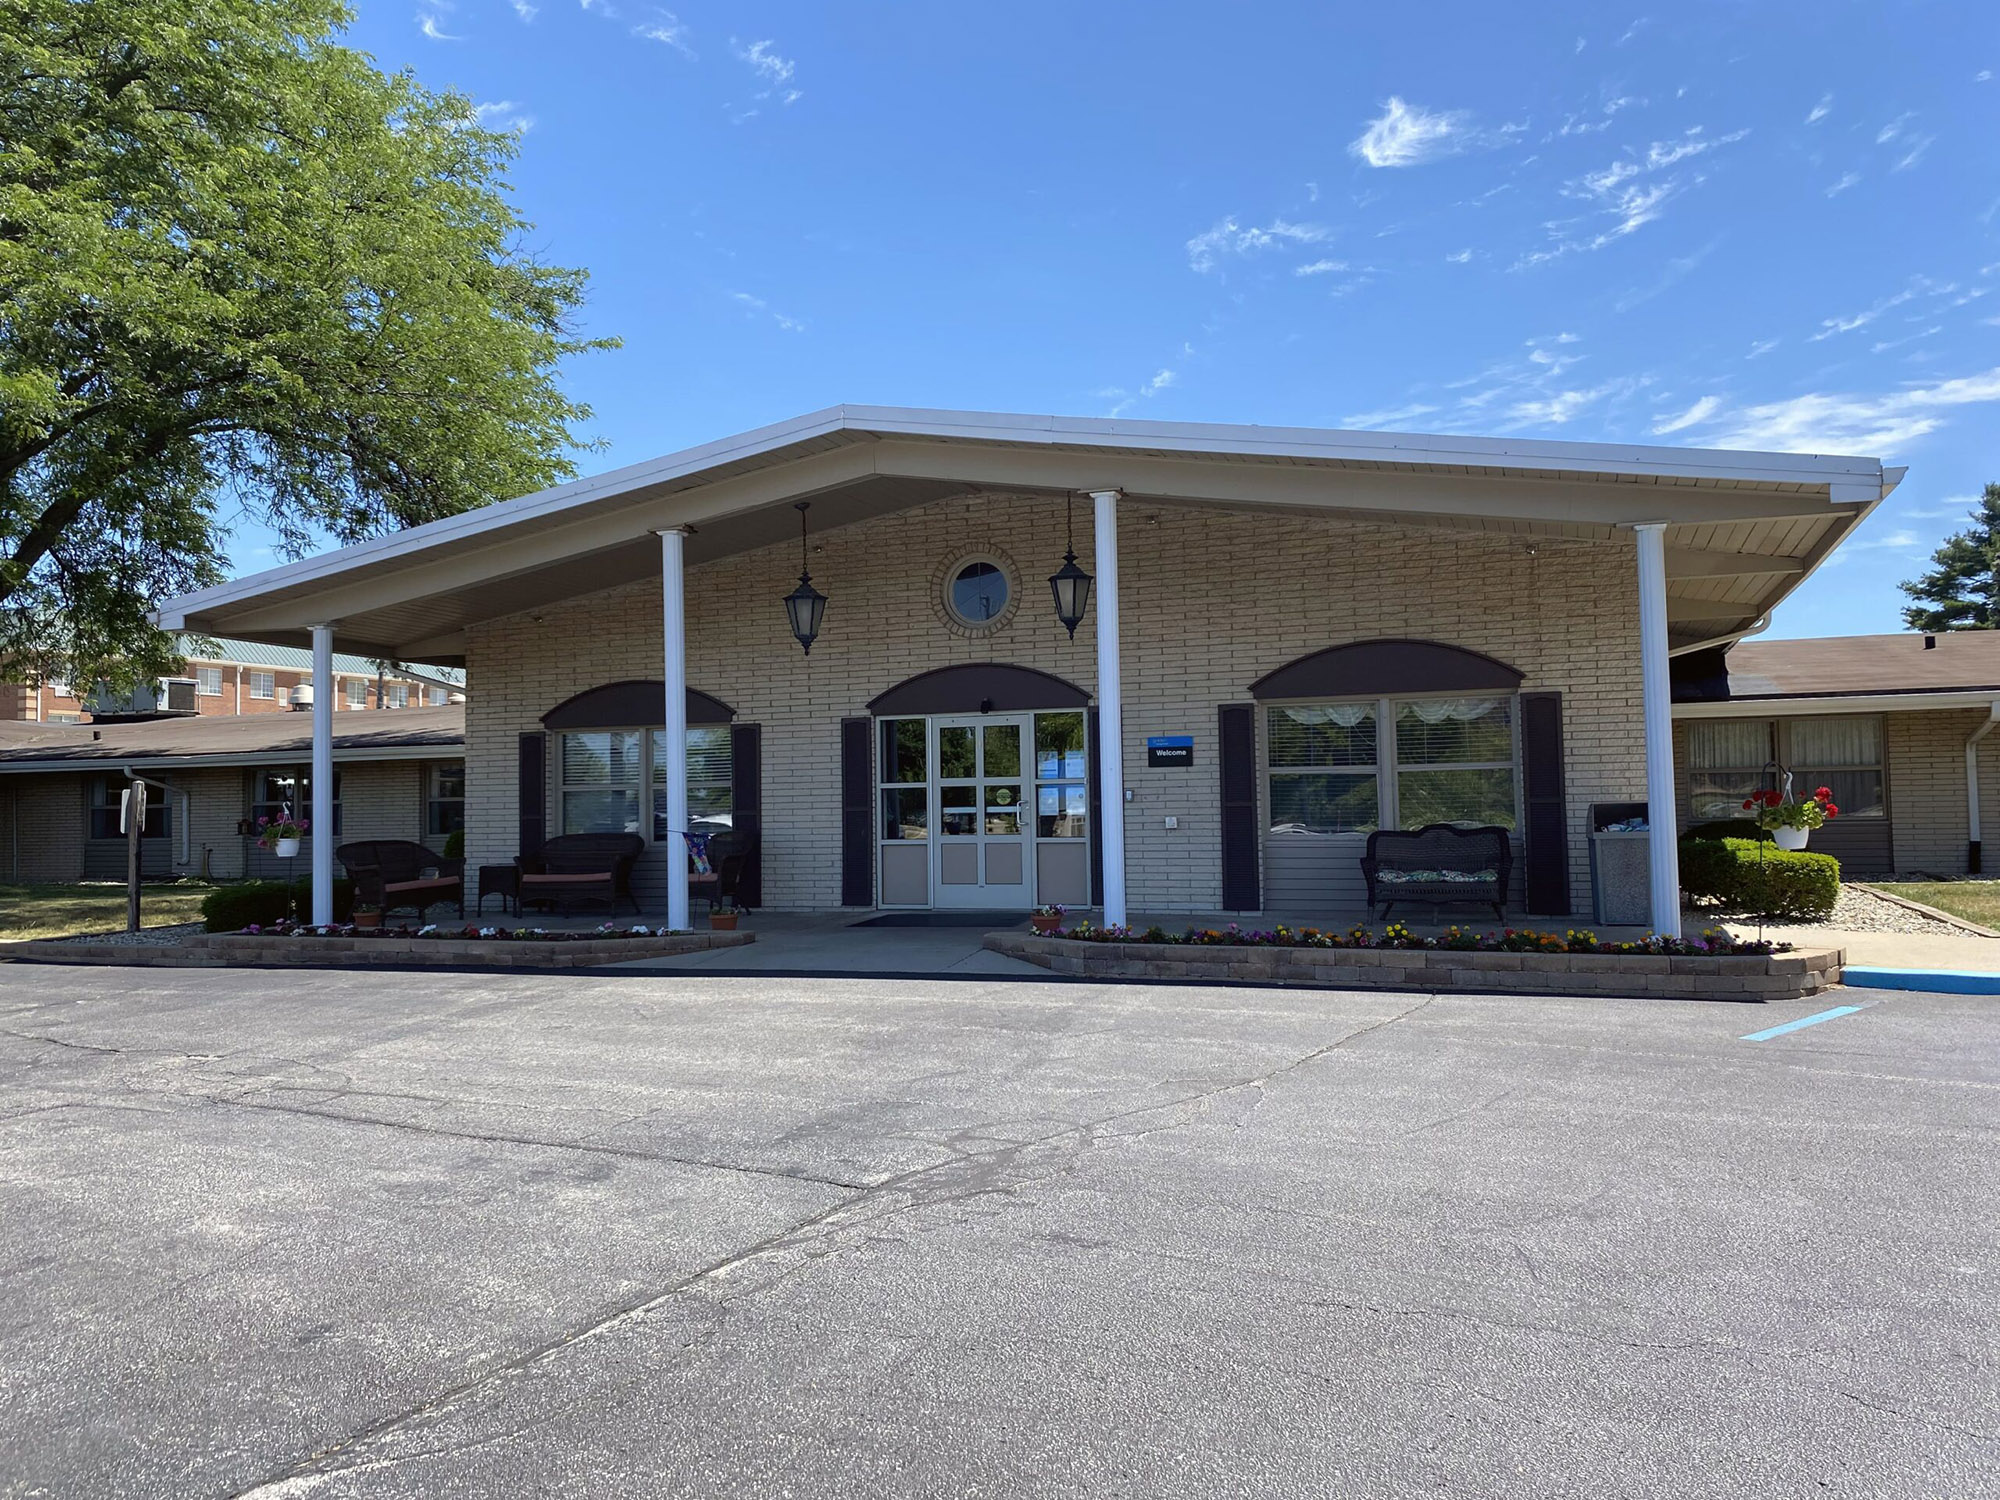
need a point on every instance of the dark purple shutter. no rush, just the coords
(1241, 888)
(533, 781)
(1094, 798)
(746, 809)
(1545, 828)
(857, 814)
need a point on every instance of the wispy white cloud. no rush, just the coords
(1407, 135)
(1319, 267)
(1762, 347)
(1828, 327)
(1632, 191)
(1229, 237)
(1460, 257)
(1894, 128)
(1604, 119)
(1388, 417)
(1824, 422)
(1820, 110)
(1694, 416)
(1561, 407)
(1918, 145)
(504, 114)
(666, 28)
(765, 61)
(524, 10)
(1160, 381)
(1847, 180)
(757, 306)
(430, 21)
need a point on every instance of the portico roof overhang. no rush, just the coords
(1744, 528)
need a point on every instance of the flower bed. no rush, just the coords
(470, 932)
(1714, 942)
(1713, 966)
(290, 945)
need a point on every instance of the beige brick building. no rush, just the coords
(398, 775)
(1317, 635)
(1899, 727)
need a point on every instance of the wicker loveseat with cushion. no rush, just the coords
(388, 873)
(581, 867)
(1439, 864)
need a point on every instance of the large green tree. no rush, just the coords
(242, 271)
(1962, 589)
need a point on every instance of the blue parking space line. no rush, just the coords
(1826, 1015)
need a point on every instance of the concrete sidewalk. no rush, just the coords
(833, 943)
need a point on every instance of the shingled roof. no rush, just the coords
(228, 739)
(1843, 666)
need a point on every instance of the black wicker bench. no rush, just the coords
(1439, 865)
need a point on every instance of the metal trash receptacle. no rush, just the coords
(1621, 865)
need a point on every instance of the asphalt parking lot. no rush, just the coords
(386, 1235)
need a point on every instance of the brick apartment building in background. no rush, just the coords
(236, 677)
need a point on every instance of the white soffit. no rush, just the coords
(721, 481)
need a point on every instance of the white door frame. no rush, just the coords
(982, 894)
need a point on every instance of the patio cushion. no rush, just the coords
(599, 878)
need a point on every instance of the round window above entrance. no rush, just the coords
(978, 593)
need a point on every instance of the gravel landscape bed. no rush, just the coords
(1857, 909)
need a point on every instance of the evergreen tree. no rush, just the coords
(1962, 589)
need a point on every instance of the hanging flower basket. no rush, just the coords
(1791, 823)
(281, 834)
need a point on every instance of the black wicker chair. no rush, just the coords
(1439, 865)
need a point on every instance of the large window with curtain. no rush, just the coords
(1350, 768)
(615, 781)
(1728, 759)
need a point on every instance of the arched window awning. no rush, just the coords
(978, 687)
(1379, 669)
(618, 705)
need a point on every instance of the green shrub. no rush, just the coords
(1741, 875)
(343, 900)
(248, 903)
(454, 844)
(1729, 828)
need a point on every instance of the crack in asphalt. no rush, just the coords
(629, 1153)
(961, 1178)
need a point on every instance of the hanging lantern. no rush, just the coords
(1069, 583)
(805, 606)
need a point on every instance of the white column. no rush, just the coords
(1662, 821)
(322, 776)
(1110, 709)
(673, 746)
(1975, 859)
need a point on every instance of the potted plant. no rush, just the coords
(1789, 821)
(281, 834)
(1046, 919)
(367, 916)
(722, 916)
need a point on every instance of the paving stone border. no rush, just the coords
(1777, 976)
(214, 950)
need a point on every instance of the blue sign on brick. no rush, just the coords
(1170, 750)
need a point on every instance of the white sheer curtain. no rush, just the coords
(1346, 715)
(1461, 710)
(1729, 744)
(1836, 742)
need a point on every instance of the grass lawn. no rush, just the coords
(1974, 900)
(46, 911)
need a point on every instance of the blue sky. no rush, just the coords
(1771, 225)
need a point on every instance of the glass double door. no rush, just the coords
(980, 778)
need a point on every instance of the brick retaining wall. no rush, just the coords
(1780, 976)
(214, 950)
